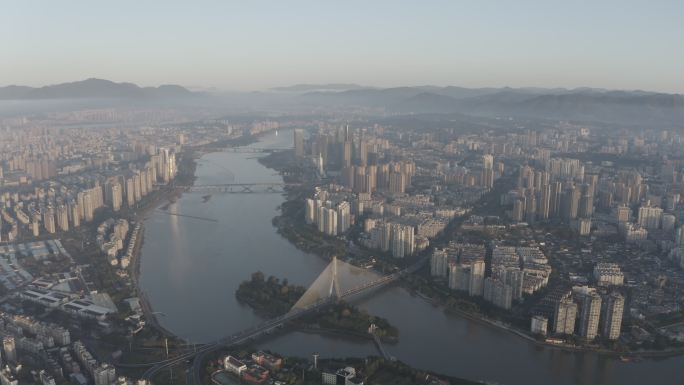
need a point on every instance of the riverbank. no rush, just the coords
(187, 167)
(290, 225)
(301, 371)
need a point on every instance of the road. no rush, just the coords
(194, 377)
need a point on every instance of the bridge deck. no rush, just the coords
(271, 324)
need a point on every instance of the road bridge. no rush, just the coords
(255, 150)
(312, 304)
(241, 188)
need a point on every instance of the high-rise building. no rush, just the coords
(88, 206)
(487, 178)
(299, 142)
(362, 155)
(46, 378)
(555, 200)
(539, 325)
(649, 217)
(343, 216)
(514, 278)
(518, 213)
(80, 202)
(310, 211)
(35, 228)
(590, 314)
(63, 218)
(75, 214)
(397, 183)
(383, 236)
(477, 273)
(104, 374)
(679, 236)
(623, 212)
(564, 316)
(611, 315)
(117, 196)
(498, 293)
(668, 222)
(130, 192)
(403, 240)
(49, 220)
(143, 183)
(360, 180)
(345, 153)
(530, 208)
(488, 161)
(586, 203)
(10, 348)
(459, 276)
(544, 202)
(582, 226)
(168, 165)
(137, 189)
(570, 203)
(439, 266)
(330, 221)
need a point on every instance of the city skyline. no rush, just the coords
(341, 193)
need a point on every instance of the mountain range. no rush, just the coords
(94, 89)
(586, 104)
(580, 104)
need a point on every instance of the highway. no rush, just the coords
(194, 375)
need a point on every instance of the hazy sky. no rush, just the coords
(253, 44)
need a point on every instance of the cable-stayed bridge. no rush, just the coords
(338, 281)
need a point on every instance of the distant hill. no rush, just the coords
(624, 107)
(94, 89)
(586, 104)
(319, 87)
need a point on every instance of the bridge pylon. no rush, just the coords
(334, 292)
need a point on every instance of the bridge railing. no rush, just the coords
(274, 322)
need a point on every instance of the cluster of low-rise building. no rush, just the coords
(12, 273)
(69, 298)
(342, 376)
(49, 334)
(256, 369)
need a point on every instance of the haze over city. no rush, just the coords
(341, 193)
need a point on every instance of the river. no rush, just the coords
(190, 269)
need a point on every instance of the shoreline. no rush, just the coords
(167, 194)
(291, 194)
(282, 220)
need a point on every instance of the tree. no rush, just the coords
(258, 277)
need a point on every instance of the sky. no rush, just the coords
(257, 44)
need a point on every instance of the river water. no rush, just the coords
(190, 269)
